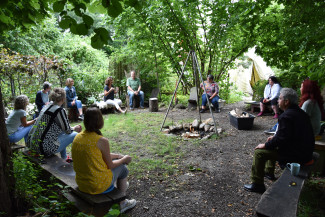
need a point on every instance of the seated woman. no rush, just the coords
(109, 92)
(72, 98)
(42, 96)
(52, 132)
(271, 95)
(212, 93)
(17, 125)
(311, 102)
(97, 169)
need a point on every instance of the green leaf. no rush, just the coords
(78, 8)
(96, 42)
(114, 9)
(4, 18)
(58, 6)
(105, 3)
(103, 34)
(134, 3)
(74, 29)
(96, 7)
(82, 29)
(35, 4)
(65, 23)
(88, 20)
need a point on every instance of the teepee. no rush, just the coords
(245, 77)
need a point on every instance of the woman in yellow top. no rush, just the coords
(96, 168)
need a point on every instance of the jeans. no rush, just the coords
(214, 101)
(131, 96)
(22, 132)
(78, 104)
(65, 140)
(263, 162)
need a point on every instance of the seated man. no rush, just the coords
(42, 96)
(293, 142)
(134, 88)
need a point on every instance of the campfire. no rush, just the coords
(203, 130)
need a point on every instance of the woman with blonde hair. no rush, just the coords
(17, 125)
(109, 92)
(72, 98)
(52, 132)
(97, 169)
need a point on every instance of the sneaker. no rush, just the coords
(81, 117)
(276, 116)
(259, 114)
(270, 132)
(69, 160)
(202, 110)
(127, 204)
(131, 108)
(141, 107)
(217, 110)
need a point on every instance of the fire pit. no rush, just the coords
(194, 130)
(241, 120)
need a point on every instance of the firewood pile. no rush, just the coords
(196, 129)
(239, 113)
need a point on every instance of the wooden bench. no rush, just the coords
(281, 199)
(97, 205)
(253, 105)
(15, 147)
(256, 105)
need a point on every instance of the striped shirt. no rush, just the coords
(43, 137)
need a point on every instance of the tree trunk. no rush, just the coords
(6, 178)
(12, 85)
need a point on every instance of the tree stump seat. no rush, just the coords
(136, 101)
(73, 113)
(153, 104)
(281, 199)
(97, 205)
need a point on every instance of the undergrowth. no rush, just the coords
(312, 198)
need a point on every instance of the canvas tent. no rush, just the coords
(244, 77)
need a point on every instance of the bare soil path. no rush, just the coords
(216, 187)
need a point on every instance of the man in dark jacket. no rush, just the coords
(293, 142)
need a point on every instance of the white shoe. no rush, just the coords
(127, 204)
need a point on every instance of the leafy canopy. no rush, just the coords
(26, 14)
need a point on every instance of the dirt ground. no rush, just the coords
(217, 188)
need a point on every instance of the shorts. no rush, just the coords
(120, 172)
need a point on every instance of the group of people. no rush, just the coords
(294, 139)
(98, 171)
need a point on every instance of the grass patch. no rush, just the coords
(139, 136)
